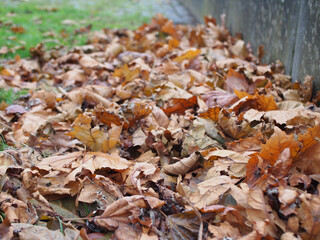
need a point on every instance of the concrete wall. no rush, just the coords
(288, 29)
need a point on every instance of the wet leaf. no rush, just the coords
(184, 225)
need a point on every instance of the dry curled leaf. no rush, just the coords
(182, 166)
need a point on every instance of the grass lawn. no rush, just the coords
(25, 23)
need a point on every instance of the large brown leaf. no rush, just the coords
(126, 210)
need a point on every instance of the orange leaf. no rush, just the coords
(169, 28)
(310, 137)
(189, 55)
(173, 43)
(17, 29)
(139, 112)
(267, 103)
(275, 145)
(262, 102)
(108, 118)
(254, 173)
(180, 105)
(212, 113)
(240, 94)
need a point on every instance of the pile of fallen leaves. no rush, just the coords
(165, 132)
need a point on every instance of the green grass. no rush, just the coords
(3, 144)
(37, 18)
(9, 96)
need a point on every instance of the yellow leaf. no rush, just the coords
(94, 138)
(189, 55)
(267, 103)
(241, 94)
(128, 74)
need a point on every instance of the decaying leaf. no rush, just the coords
(184, 225)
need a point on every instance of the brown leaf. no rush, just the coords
(219, 99)
(126, 210)
(309, 138)
(309, 160)
(18, 29)
(235, 81)
(282, 166)
(232, 126)
(258, 213)
(13, 109)
(169, 28)
(183, 225)
(307, 88)
(307, 214)
(16, 210)
(229, 162)
(73, 76)
(128, 74)
(182, 166)
(249, 144)
(93, 161)
(31, 232)
(100, 190)
(224, 229)
(169, 68)
(208, 192)
(6, 230)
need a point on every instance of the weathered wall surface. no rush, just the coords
(288, 29)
